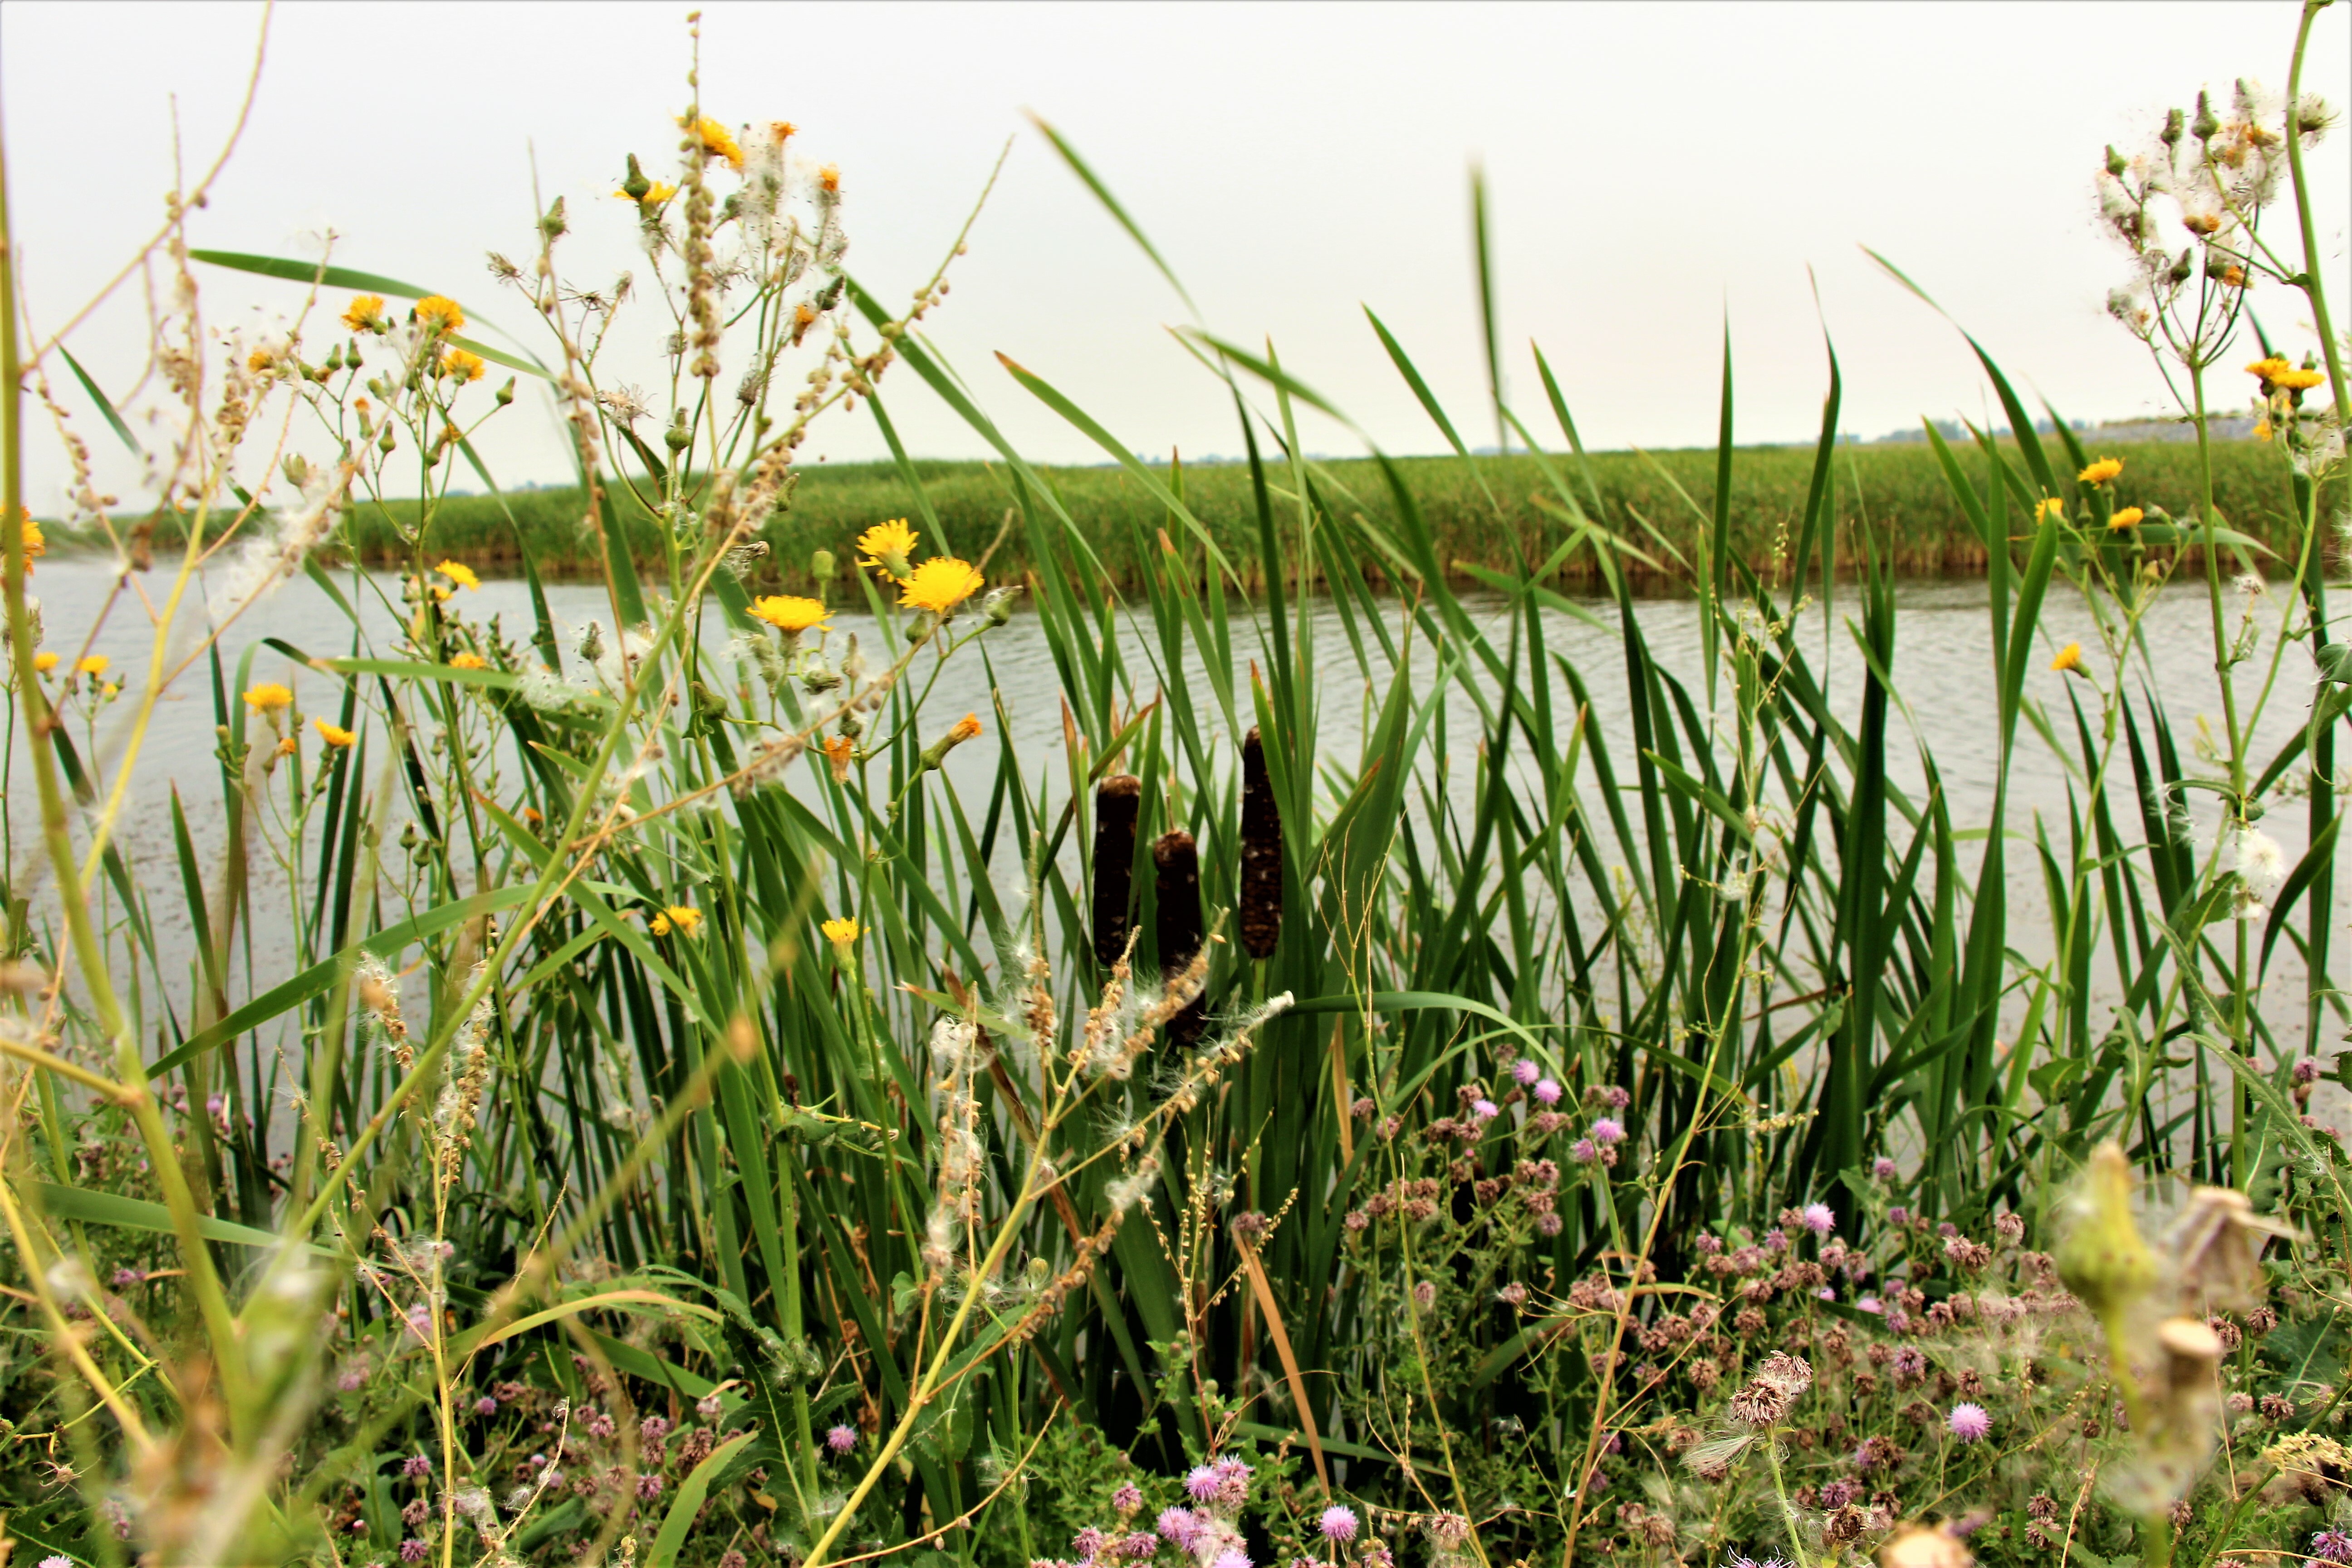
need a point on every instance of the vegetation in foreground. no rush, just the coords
(696, 1130)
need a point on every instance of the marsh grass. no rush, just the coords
(702, 1148)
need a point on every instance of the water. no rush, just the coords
(1942, 672)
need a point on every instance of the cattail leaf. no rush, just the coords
(689, 1503)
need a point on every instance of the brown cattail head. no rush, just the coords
(1260, 916)
(1177, 892)
(1117, 800)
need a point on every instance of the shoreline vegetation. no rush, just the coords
(1896, 488)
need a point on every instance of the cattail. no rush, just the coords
(1177, 892)
(1117, 799)
(1260, 915)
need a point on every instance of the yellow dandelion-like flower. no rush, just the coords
(2069, 657)
(95, 664)
(803, 317)
(838, 752)
(966, 729)
(2295, 378)
(887, 546)
(439, 312)
(789, 612)
(2263, 430)
(109, 691)
(270, 698)
(457, 571)
(2267, 368)
(2234, 276)
(685, 917)
(2103, 470)
(940, 584)
(716, 139)
(44, 661)
(335, 735)
(289, 746)
(468, 661)
(829, 176)
(457, 363)
(364, 311)
(36, 544)
(259, 361)
(2125, 518)
(2050, 506)
(840, 931)
(781, 131)
(660, 925)
(655, 194)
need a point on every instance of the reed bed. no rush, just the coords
(697, 1129)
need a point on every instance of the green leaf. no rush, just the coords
(105, 404)
(689, 1503)
(137, 1214)
(311, 272)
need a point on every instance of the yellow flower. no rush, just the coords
(2103, 470)
(2125, 518)
(655, 194)
(781, 131)
(268, 698)
(716, 139)
(2294, 378)
(660, 925)
(966, 729)
(289, 746)
(940, 584)
(35, 546)
(108, 692)
(2069, 657)
(45, 662)
(687, 919)
(2050, 506)
(789, 612)
(366, 311)
(2263, 430)
(95, 664)
(440, 313)
(837, 753)
(840, 931)
(259, 361)
(829, 176)
(463, 365)
(468, 661)
(887, 546)
(2266, 369)
(334, 735)
(457, 571)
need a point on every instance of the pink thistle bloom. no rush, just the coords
(1882, 1168)
(1140, 1545)
(1546, 1091)
(1484, 1110)
(486, 1405)
(1524, 1072)
(416, 1464)
(1583, 1151)
(1338, 1524)
(1232, 1557)
(1609, 1129)
(413, 1550)
(841, 1439)
(1819, 1218)
(1202, 1483)
(1127, 1499)
(1870, 1304)
(1970, 1423)
(1179, 1528)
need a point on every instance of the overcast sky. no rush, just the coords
(1653, 168)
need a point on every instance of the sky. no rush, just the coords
(1657, 174)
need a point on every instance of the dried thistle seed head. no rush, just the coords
(2103, 1259)
(2217, 1245)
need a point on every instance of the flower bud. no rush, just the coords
(506, 393)
(2116, 163)
(2103, 1259)
(680, 435)
(820, 565)
(2204, 127)
(554, 223)
(636, 184)
(998, 607)
(965, 729)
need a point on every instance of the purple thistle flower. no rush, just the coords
(1484, 1110)
(2332, 1545)
(2308, 1070)
(842, 1438)
(1233, 1483)
(416, 1464)
(1870, 1304)
(649, 1485)
(1338, 1524)
(1179, 1528)
(1546, 1091)
(1825, 1294)
(1970, 1423)
(1547, 1224)
(1898, 1215)
(1882, 1168)
(1127, 1499)
(1088, 1543)
(1524, 1071)
(1200, 1485)
(54, 1561)
(126, 1278)
(1609, 1129)
(1583, 1151)
(710, 1406)
(1140, 1545)
(486, 1405)
(412, 1550)
(1232, 1557)
(1424, 1295)
(1819, 1218)
(353, 1378)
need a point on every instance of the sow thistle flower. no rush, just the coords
(838, 752)
(716, 139)
(885, 546)
(965, 729)
(365, 314)
(840, 931)
(269, 696)
(789, 612)
(684, 918)
(45, 662)
(460, 363)
(335, 735)
(35, 546)
(2069, 659)
(2103, 470)
(440, 313)
(2049, 506)
(468, 661)
(940, 584)
(98, 664)
(457, 571)
(2125, 518)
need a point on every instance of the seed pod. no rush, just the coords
(1178, 894)
(1260, 916)
(1117, 800)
